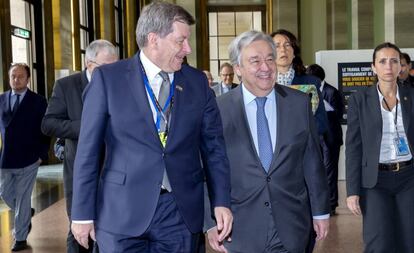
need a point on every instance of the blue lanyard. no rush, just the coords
(160, 111)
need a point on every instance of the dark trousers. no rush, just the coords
(388, 213)
(167, 233)
(330, 155)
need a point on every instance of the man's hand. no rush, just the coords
(81, 232)
(224, 220)
(353, 204)
(214, 242)
(321, 228)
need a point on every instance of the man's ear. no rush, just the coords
(236, 69)
(152, 39)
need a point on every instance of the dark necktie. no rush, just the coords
(263, 134)
(162, 98)
(16, 103)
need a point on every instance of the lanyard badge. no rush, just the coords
(162, 112)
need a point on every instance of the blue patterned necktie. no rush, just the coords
(263, 134)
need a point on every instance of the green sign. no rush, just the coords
(20, 32)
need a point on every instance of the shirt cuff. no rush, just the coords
(321, 217)
(82, 221)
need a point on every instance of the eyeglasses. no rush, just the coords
(97, 64)
(227, 75)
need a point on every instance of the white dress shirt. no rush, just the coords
(154, 79)
(387, 152)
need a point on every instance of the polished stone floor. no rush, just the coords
(50, 223)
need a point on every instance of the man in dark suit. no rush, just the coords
(404, 78)
(154, 116)
(63, 116)
(24, 147)
(331, 146)
(226, 84)
(278, 179)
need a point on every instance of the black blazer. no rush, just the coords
(364, 133)
(63, 115)
(22, 141)
(334, 98)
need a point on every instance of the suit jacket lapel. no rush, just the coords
(282, 112)
(178, 100)
(239, 118)
(7, 101)
(135, 82)
(405, 102)
(374, 108)
(84, 82)
(6, 114)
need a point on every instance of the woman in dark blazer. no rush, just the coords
(291, 71)
(379, 168)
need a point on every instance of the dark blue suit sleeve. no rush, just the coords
(214, 153)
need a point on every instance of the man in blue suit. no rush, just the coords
(24, 147)
(149, 197)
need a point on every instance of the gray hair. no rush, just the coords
(158, 17)
(244, 40)
(97, 46)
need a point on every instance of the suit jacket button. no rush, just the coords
(268, 179)
(266, 203)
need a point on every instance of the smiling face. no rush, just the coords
(257, 68)
(387, 65)
(284, 49)
(168, 53)
(227, 75)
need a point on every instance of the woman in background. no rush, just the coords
(291, 71)
(379, 168)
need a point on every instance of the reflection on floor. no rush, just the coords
(50, 223)
(48, 233)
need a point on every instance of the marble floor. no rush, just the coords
(50, 223)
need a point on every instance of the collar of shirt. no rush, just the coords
(286, 78)
(322, 84)
(152, 71)
(224, 87)
(88, 75)
(154, 79)
(381, 97)
(22, 94)
(250, 107)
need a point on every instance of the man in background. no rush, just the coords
(227, 76)
(24, 148)
(404, 78)
(63, 117)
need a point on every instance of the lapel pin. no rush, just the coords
(179, 88)
(405, 98)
